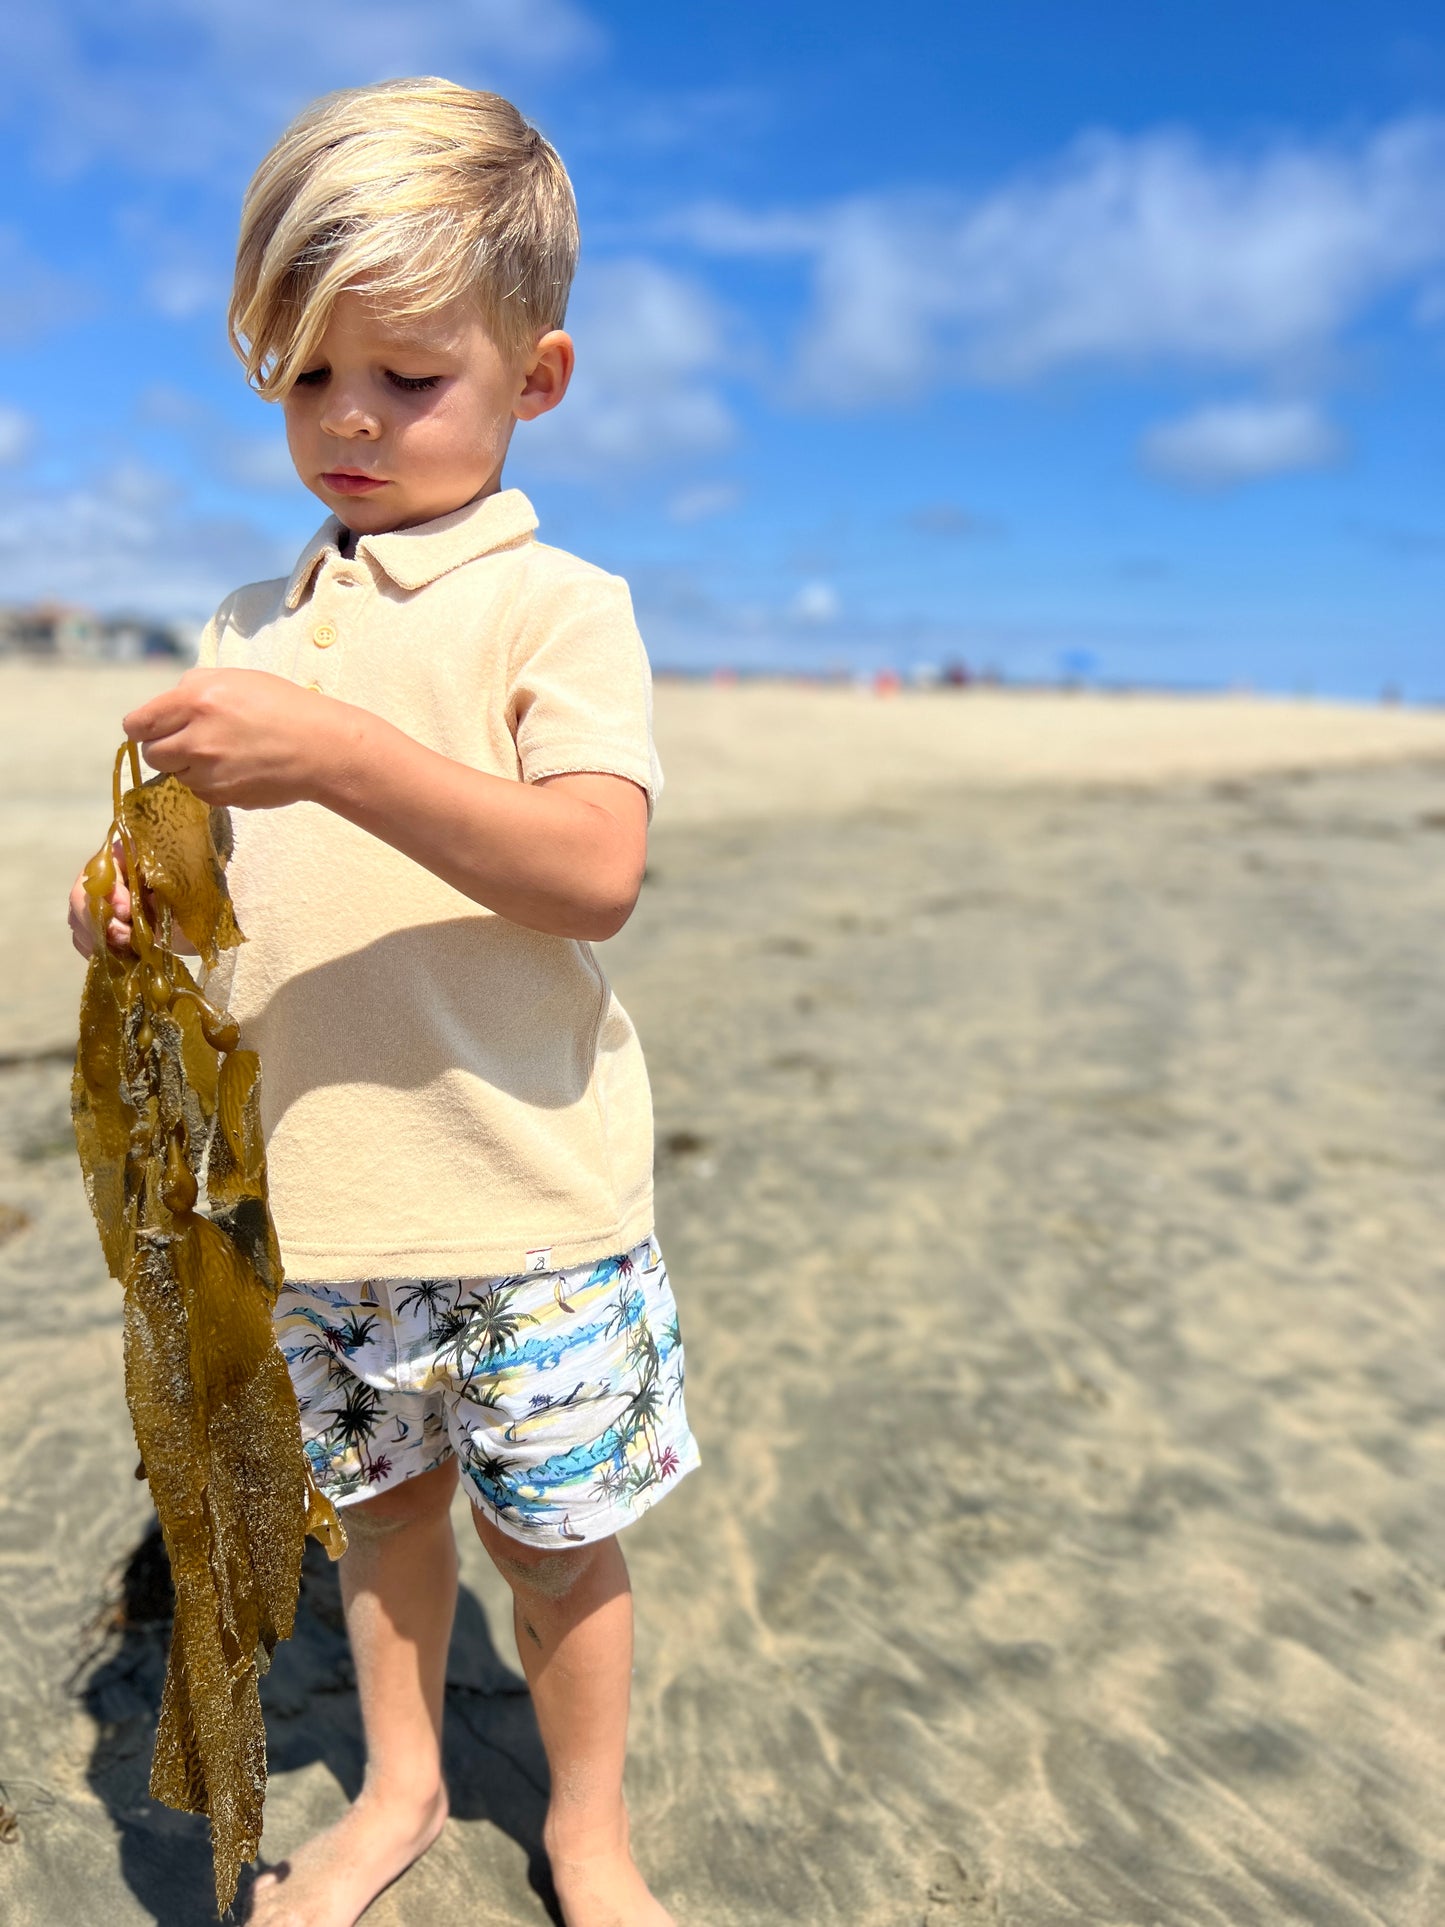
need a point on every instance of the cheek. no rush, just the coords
(297, 426)
(451, 439)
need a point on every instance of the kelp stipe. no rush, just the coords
(167, 1123)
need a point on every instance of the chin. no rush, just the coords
(366, 514)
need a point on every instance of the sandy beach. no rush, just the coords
(1050, 1099)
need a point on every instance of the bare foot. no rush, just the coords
(333, 1879)
(604, 1889)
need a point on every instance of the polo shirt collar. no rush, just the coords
(414, 557)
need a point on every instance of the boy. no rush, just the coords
(437, 737)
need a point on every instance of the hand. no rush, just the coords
(117, 930)
(236, 736)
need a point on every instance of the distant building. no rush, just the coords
(64, 632)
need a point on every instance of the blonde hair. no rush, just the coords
(412, 192)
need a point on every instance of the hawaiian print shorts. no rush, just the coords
(559, 1392)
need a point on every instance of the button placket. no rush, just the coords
(337, 573)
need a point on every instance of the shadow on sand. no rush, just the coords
(496, 1769)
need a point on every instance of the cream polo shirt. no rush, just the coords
(444, 1093)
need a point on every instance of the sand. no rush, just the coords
(745, 752)
(1051, 1104)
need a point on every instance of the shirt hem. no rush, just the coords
(464, 1257)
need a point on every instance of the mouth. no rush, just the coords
(350, 481)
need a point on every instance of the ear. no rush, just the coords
(545, 378)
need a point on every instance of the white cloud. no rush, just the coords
(146, 96)
(649, 345)
(1231, 442)
(703, 500)
(17, 436)
(181, 293)
(1123, 250)
(257, 461)
(816, 603)
(133, 489)
(129, 541)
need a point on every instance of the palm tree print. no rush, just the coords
(356, 1422)
(494, 1321)
(472, 1335)
(429, 1292)
(497, 1478)
(447, 1329)
(642, 1353)
(352, 1333)
(611, 1482)
(643, 1408)
(561, 1394)
(339, 1340)
(628, 1309)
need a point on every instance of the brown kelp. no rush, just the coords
(166, 1111)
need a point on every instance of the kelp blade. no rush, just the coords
(172, 831)
(103, 1120)
(210, 1751)
(158, 1111)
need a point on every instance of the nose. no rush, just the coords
(346, 416)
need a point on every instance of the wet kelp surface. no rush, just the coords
(165, 1106)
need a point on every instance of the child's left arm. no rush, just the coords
(564, 855)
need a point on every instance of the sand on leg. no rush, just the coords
(399, 1588)
(572, 1614)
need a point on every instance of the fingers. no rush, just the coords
(162, 715)
(160, 726)
(82, 925)
(169, 755)
(82, 930)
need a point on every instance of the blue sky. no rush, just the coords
(1105, 338)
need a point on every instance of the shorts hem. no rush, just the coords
(616, 1521)
(356, 1493)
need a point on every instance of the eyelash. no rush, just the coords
(409, 384)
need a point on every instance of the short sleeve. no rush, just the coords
(581, 689)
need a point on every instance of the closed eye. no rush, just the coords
(413, 384)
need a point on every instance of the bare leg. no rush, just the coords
(572, 1613)
(399, 1587)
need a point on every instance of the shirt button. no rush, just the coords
(316, 686)
(323, 635)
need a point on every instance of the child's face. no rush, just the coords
(395, 422)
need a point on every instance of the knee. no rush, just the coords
(367, 1526)
(545, 1572)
